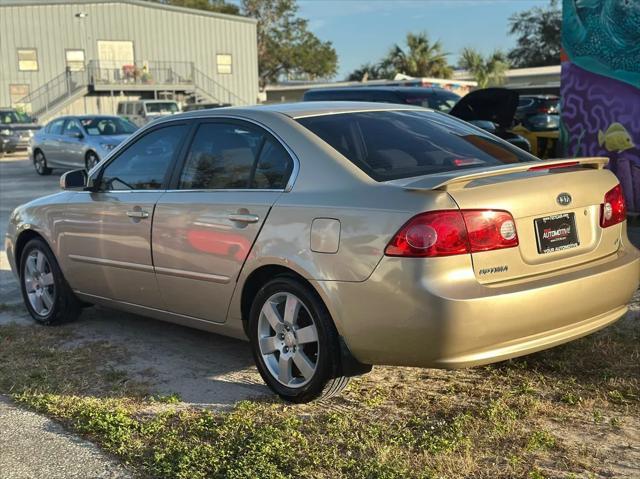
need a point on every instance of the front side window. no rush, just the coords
(27, 60)
(71, 128)
(389, 145)
(224, 62)
(145, 163)
(231, 156)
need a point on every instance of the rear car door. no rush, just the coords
(205, 227)
(50, 145)
(106, 241)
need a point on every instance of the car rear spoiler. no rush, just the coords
(453, 180)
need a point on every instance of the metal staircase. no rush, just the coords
(47, 100)
(56, 93)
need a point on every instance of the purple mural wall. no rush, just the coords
(600, 86)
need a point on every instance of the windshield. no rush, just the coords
(162, 107)
(9, 117)
(389, 145)
(107, 126)
(439, 100)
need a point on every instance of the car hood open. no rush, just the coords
(490, 104)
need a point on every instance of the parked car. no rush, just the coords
(16, 130)
(535, 105)
(435, 98)
(335, 236)
(204, 106)
(72, 141)
(491, 109)
(141, 112)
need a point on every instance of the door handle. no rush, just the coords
(244, 218)
(138, 214)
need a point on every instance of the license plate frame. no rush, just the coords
(556, 233)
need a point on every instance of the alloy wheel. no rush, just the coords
(288, 340)
(39, 284)
(92, 160)
(39, 162)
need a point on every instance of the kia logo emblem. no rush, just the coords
(564, 199)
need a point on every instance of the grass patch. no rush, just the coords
(526, 418)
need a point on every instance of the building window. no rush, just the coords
(27, 60)
(74, 60)
(17, 92)
(224, 62)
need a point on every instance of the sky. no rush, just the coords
(364, 30)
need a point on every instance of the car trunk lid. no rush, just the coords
(556, 208)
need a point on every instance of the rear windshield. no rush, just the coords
(388, 145)
(107, 126)
(168, 107)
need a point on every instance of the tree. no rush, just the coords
(486, 71)
(538, 32)
(285, 45)
(421, 58)
(370, 71)
(220, 6)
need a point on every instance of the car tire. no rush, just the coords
(90, 160)
(40, 164)
(294, 342)
(46, 294)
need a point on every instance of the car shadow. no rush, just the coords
(201, 368)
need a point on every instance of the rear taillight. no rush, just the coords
(451, 232)
(614, 209)
(490, 229)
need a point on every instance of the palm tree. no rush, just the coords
(421, 58)
(486, 71)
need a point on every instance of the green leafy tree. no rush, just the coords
(487, 71)
(538, 32)
(420, 58)
(370, 71)
(286, 47)
(220, 6)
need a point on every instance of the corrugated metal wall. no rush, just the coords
(157, 33)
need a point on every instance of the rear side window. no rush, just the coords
(55, 127)
(145, 163)
(233, 156)
(389, 145)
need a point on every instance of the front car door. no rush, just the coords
(106, 238)
(204, 229)
(72, 144)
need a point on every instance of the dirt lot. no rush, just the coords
(172, 402)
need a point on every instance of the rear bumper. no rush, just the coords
(433, 313)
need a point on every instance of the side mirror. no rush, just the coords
(76, 134)
(74, 180)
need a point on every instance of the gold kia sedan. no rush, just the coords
(334, 236)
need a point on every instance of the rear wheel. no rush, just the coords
(40, 164)
(91, 160)
(294, 342)
(46, 294)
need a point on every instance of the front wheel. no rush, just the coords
(40, 164)
(294, 342)
(91, 160)
(46, 294)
